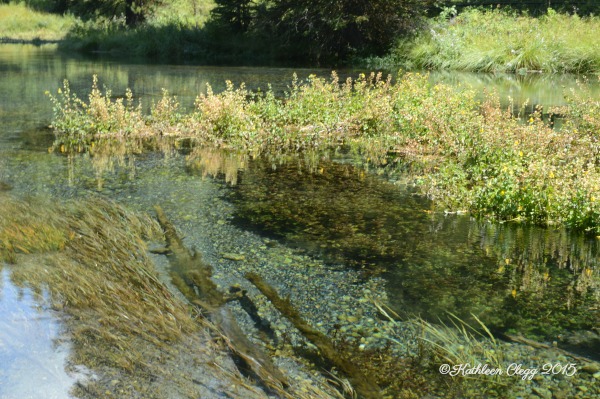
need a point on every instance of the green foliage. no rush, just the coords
(234, 14)
(135, 11)
(502, 41)
(465, 154)
(333, 30)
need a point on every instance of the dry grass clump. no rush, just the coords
(27, 230)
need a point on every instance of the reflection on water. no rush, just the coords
(529, 90)
(539, 282)
(28, 71)
(33, 364)
(521, 279)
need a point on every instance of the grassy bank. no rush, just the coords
(89, 255)
(501, 41)
(465, 154)
(20, 23)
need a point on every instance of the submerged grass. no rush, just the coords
(454, 344)
(465, 154)
(498, 40)
(98, 266)
(19, 22)
(138, 338)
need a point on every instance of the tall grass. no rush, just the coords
(18, 22)
(496, 40)
(465, 154)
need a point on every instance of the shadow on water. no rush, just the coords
(541, 283)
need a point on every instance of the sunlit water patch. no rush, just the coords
(32, 358)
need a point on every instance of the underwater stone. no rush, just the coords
(592, 367)
(232, 256)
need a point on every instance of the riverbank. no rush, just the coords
(494, 40)
(465, 154)
(497, 40)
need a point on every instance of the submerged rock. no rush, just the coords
(232, 256)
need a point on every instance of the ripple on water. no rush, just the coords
(32, 361)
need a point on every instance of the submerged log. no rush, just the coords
(539, 345)
(364, 385)
(202, 292)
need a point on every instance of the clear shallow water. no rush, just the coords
(538, 282)
(32, 359)
(518, 279)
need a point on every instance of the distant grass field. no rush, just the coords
(18, 22)
(501, 41)
(191, 13)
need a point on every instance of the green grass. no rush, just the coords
(18, 22)
(465, 154)
(502, 41)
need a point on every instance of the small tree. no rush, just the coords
(134, 12)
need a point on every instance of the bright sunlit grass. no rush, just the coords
(501, 41)
(18, 22)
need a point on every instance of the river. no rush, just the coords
(541, 283)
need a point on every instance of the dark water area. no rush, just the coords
(542, 283)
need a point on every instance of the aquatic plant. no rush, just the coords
(464, 154)
(124, 323)
(454, 343)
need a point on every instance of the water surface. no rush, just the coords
(32, 356)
